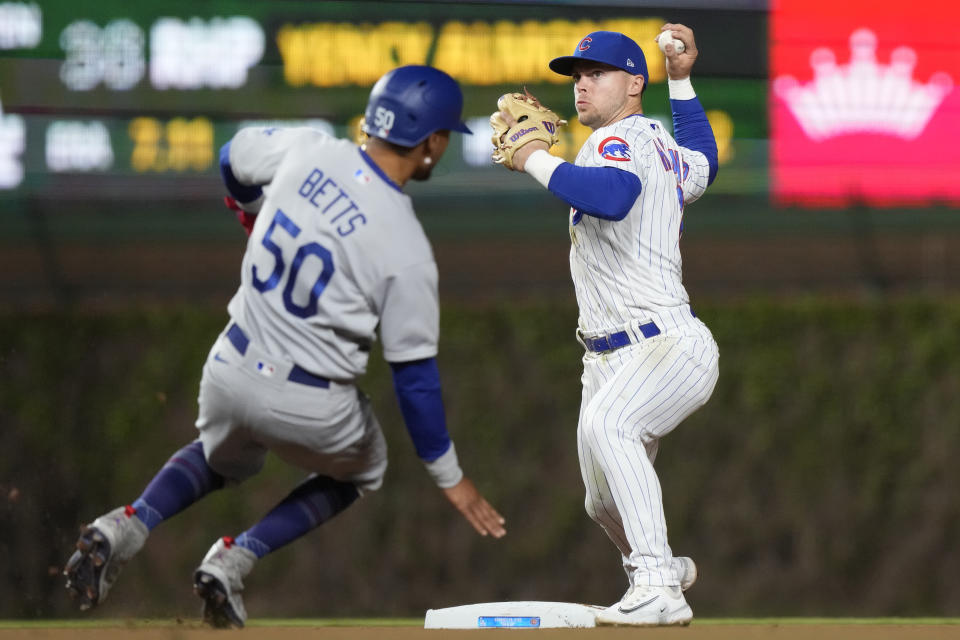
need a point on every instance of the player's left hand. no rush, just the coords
(680, 64)
(475, 508)
(521, 125)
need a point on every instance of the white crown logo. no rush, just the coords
(863, 96)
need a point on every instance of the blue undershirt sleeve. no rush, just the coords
(417, 385)
(692, 130)
(601, 192)
(239, 192)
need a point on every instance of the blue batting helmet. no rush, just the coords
(409, 103)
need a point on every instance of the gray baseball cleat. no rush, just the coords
(686, 571)
(103, 549)
(648, 607)
(218, 580)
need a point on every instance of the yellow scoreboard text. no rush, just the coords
(328, 54)
(178, 145)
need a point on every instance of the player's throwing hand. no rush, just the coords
(680, 64)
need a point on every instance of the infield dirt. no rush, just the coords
(693, 632)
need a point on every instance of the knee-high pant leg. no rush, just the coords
(631, 398)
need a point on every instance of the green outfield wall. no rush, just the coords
(820, 479)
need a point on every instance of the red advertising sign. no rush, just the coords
(865, 102)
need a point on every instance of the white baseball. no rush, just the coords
(665, 38)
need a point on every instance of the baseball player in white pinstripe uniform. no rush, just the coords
(336, 256)
(648, 362)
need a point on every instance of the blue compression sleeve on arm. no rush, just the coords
(601, 192)
(692, 130)
(417, 385)
(240, 192)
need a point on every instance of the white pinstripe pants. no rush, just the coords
(632, 397)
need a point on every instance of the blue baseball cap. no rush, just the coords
(609, 47)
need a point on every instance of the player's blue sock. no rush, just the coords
(182, 481)
(312, 503)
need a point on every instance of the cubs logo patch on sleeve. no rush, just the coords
(614, 148)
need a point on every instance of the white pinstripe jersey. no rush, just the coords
(631, 269)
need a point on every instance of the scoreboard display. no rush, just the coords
(115, 99)
(119, 100)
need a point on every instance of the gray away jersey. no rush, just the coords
(335, 251)
(631, 269)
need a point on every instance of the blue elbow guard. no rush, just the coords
(240, 192)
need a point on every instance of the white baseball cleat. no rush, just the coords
(648, 607)
(686, 571)
(219, 581)
(103, 548)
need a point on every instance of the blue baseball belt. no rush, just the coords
(240, 342)
(611, 341)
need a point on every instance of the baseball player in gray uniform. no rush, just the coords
(648, 361)
(335, 255)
